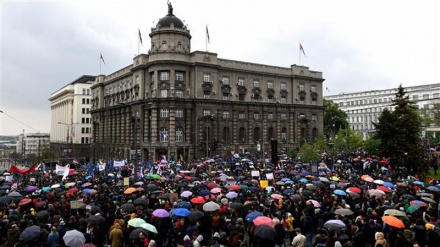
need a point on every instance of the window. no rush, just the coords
(313, 89)
(83, 110)
(164, 45)
(179, 76)
(206, 77)
(283, 100)
(206, 95)
(270, 116)
(256, 83)
(314, 118)
(164, 113)
(163, 93)
(415, 97)
(425, 96)
(83, 130)
(283, 116)
(84, 91)
(314, 102)
(301, 87)
(436, 95)
(225, 80)
(256, 115)
(179, 134)
(88, 101)
(83, 101)
(164, 76)
(83, 120)
(87, 110)
(241, 115)
(269, 84)
(241, 81)
(163, 135)
(283, 134)
(179, 93)
(88, 91)
(283, 86)
(206, 112)
(302, 115)
(87, 120)
(226, 97)
(226, 115)
(179, 113)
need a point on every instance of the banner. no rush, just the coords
(269, 176)
(9, 178)
(14, 169)
(101, 167)
(126, 181)
(118, 163)
(264, 183)
(255, 173)
(62, 171)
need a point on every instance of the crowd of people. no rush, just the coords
(223, 202)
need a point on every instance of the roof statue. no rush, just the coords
(170, 8)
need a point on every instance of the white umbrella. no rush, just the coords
(210, 206)
(74, 238)
(378, 181)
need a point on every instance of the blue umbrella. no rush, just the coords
(418, 183)
(183, 204)
(205, 192)
(288, 191)
(288, 182)
(304, 180)
(253, 189)
(251, 216)
(47, 189)
(388, 185)
(182, 212)
(340, 193)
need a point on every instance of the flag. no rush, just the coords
(102, 58)
(140, 37)
(14, 169)
(159, 171)
(207, 34)
(302, 49)
(151, 171)
(326, 88)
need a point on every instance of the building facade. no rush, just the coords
(71, 124)
(364, 108)
(185, 104)
(32, 144)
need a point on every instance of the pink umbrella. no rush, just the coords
(276, 196)
(263, 220)
(216, 190)
(316, 204)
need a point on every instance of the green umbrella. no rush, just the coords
(136, 222)
(149, 177)
(149, 227)
(244, 187)
(411, 209)
(156, 176)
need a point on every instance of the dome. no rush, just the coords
(170, 18)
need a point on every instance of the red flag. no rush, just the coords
(102, 58)
(207, 33)
(14, 169)
(140, 37)
(302, 49)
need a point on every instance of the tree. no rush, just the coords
(334, 119)
(348, 139)
(372, 146)
(430, 116)
(308, 153)
(399, 134)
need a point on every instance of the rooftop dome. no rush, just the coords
(170, 18)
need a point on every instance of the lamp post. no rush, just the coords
(68, 125)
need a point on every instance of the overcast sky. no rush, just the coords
(358, 45)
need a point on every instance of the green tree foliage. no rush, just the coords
(334, 119)
(399, 134)
(309, 153)
(372, 146)
(348, 139)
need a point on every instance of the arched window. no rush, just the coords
(284, 134)
(315, 134)
(303, 133)
(270, 133)
(242, 134)
(227, 135)
(256, 134)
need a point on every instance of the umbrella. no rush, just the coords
(394, 212)
(236, 205)
(433, 189)
(378, 181)
(152, 187)
(251, 216)
(161, 213)
(427, 199)
(377, 193)
(195, 215)
(129, 190)
(335, 225)
(417, 202)
(276, 196)
(211, 206)
(216, 190)
(42, 215)
(24, 201)
(383, 188)
(340, 193)
(419, 183)
(408, 196)
(182, 212)
(231, 194)
(393, 221)
(186, 193)
(198, 200)
(315, 203)
(96, 219)
(265, 232)
(135, 233)
(411, 209)
(324, 179)
(14, 194)
(40, 204)
(205, 192)
(30, 188)
(288, 191)
(30, 233)
(72, 190)
(183, 204)
(388, 184)
(263, 220)
(5, 199)
(74, 238)
(128, 208)
(343, 211)
(234, 187)
(353, 190)
(84, 184)
(136, 222)
(56, 186)
(149, 227)
(140, 201)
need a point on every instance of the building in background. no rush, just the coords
(30, 146)
(71, 125)
(185, 104)
(364, 108)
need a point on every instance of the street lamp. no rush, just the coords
(68, 125)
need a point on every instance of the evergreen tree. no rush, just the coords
(399, 134)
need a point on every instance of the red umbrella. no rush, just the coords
(198, 200)
(234, 187)
(383, 188)
(263, 220)
(211, 185)
(354, 190)
(72, 190)
(24, 201)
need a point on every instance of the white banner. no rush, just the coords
(269, 176)
(9, 178)
(118, 163)
(61, 170)
(255, 173)
(101, 167)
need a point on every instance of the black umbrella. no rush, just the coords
(6, 199)
(42, 215)
(140, 201)
(409, 197)
(152, 187)
(195, 215)
(135, 233)
(251, 207)
(29, 234)
(96, 219)
(128, 208)
(265, 232)
(236, 205)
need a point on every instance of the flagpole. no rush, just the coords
(100, 62)
(138, 45)
(299, 53)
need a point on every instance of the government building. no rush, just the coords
(186, 104)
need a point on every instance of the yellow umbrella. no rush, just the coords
(334, 178)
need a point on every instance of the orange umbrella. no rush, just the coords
(129, 190)
(393, 221)
(198, 200)
(363, 177)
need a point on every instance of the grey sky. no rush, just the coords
(358, 45)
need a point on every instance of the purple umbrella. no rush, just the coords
(335, 225)
(30, 188)
(40, 204)
(161, 213)
(186, 194)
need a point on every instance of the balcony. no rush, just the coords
(314, 96)
(302, 95)
(283, 93)
(207, 86)
(226, 89)
(270, 92)
(241, 90)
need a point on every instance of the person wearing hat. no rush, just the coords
(299, 240)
